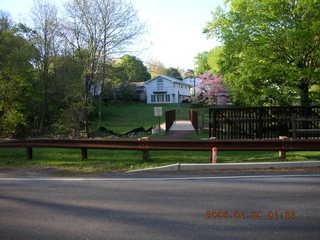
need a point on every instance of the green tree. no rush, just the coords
(134, 69)
(16, 77)
(271, 49)
(201, 63)
(174, 72)
(189, 73)
(215, 59)
(66, 90)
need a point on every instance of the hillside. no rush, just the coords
(123, 117)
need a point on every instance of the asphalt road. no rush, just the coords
(240, 207)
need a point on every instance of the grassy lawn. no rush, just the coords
(201, 135)
(67, 160)
(123, 117)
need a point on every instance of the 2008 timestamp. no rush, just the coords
(253, 214)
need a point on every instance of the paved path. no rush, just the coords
(176, 135)
(182, 125)
(179, 129)
(264, 208)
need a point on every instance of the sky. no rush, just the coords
(174, 28)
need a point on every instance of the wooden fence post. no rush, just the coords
(29, 153)
(282, 154)
(294, 126)
(84, 154)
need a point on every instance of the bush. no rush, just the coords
(13, 124)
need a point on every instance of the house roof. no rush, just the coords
(169, 79)
(192, 81)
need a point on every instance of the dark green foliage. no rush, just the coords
(126, 92)
(133, 69)
(173, 72)
(188, 74)
(56, 75)
(66, 90)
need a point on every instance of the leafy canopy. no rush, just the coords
(16, 76)
(134, 69)
(271, 49)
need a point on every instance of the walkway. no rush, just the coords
(182, 125)
(179, 129)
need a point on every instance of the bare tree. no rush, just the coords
(46, 26)
(156, 68)
(103, 28)
(5, 21)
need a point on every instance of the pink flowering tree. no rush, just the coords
(212, 90)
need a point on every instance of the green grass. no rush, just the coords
(203, 134)
(123, 117)
(68, 160)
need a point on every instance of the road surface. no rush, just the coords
(224, 207)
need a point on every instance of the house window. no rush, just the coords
(167, 98)
(160, 97)
(153, 98)
(160, 84)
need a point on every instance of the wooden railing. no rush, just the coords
(146, 145)
(193, 117)
(170, 118)
(264, 122)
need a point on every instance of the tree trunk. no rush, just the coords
(304, 93)
(44, 108)
(86, 104)
(100, 103)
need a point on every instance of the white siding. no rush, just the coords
(163, 89)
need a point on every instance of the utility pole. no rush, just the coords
(194, 86)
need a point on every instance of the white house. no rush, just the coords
(164, 89)
(192, 81)
(195, 90)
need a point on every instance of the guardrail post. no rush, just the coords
(214, 155)
(29, 153)
(84, 154)
(145, 155)
(282, 153)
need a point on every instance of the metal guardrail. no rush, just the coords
(146, 145)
